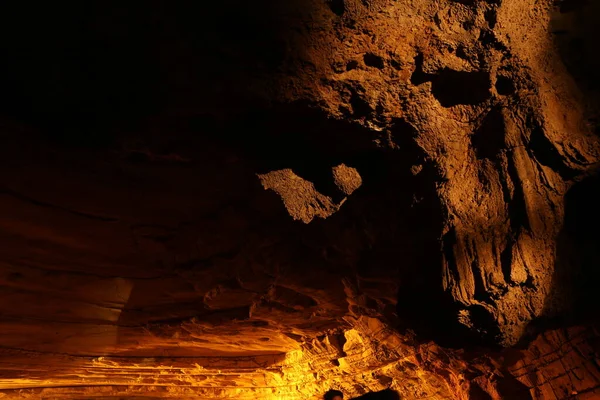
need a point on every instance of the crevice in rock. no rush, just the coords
(506, 259)
(547, 154)
(488, 140)
(517, 209)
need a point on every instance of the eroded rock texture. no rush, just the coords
(351, 194)
(478, 89)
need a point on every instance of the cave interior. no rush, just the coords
(270, 200)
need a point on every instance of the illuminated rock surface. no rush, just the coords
(364, 195)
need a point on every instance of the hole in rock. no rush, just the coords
(452, 88)
(504, 85)
(373, 60)
(351, 65)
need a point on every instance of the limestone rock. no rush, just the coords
(347, 179)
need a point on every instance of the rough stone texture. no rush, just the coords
(347, 179)
(300, 197)
(495, 115)
(434, 140)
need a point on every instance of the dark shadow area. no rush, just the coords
(488, 140)
(89, 75)
(419, 76)
(395, 214)
(547, 154)
(575, 25)
(397, 206)
(373, 60)
(452, 88)
(83, 72)
(573, 298)
(507, 386)
(337, 6)
(387, 394)
(301, 137)
(578, 253)
(505, 85)
(477, 393)
(511, 388)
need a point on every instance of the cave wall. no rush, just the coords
(323, 201)
(496, 116)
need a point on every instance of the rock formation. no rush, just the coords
(269, 200)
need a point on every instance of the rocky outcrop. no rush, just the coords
(300, 197)
(494, 113)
